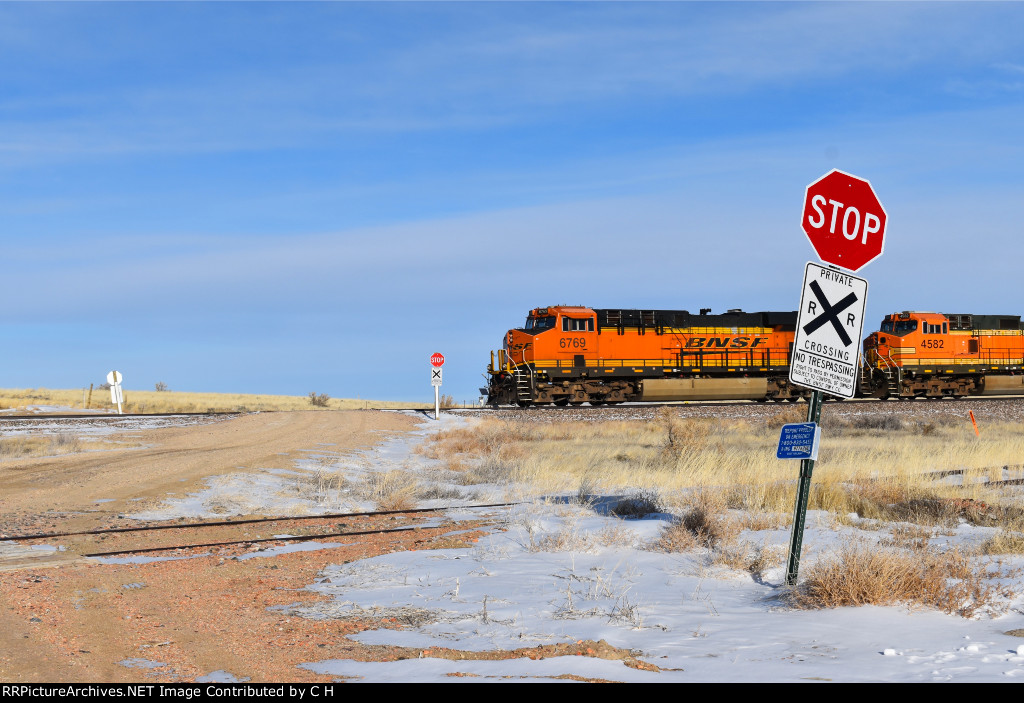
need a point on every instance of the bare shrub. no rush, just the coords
(642, 502)
(437, 491)
(490, 470)
(446, 401)
(321, 400)
(393, 490)
(676, 537)
(709, 523)
(787, 416)
(863, 574)
(682, 434)
(758, 521)
(19, 446)
(161, 387)
(1004, 543)
(749, 557)
(61, 443)
(586, 492)
(888, 423)
(64, 443)
(704, 524)
(909, 537)
(455, 465)
(900, 501)
(614, 535)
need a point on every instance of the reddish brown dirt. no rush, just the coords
(68, 619)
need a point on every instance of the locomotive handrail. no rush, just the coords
(707, 359)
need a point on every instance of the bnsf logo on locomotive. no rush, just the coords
(725, 342)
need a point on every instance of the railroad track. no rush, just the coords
(78, 543)
(115, 416)
(429, 412)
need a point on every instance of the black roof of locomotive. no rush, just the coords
(684, 318)
(963, 321)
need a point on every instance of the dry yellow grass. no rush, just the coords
(21, 447)
(138, 401)
(863, 574)
(874, 473)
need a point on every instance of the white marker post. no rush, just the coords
(116, 395)
(436, 362)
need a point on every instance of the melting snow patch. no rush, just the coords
(139, 663)
(220, 676)
(287, 549)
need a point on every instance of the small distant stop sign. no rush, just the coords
(844, 220)
(437, 359)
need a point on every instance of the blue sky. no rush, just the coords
(295, 197)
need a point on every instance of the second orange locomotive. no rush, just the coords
(931, 355)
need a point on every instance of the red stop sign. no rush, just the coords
(844, 220)
(437, 359)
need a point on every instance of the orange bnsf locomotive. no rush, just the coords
(571, 355)
(925, 354)
(567, 355)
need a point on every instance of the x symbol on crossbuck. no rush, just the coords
(436, 372)
(830, 313)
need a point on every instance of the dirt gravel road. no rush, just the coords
(67, 619)
(89, 490)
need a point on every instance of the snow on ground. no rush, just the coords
(312, 487)
(694, 621)
(92, 427)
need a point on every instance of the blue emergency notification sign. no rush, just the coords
(799, 441)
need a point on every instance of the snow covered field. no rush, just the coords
(558, 572)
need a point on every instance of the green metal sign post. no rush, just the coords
(803, 493)
(830, 320)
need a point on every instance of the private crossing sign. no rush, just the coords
(435, 376)
(829, 324)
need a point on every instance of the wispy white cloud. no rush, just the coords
(510, 66)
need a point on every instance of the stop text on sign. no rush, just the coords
(844, 220)
(851, 221)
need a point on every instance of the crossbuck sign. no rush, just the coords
(828, 331)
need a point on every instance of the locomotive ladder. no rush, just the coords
(893, 374)
(524, 385)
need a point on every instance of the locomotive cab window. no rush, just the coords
(570, 324)
(929, 328)
(540, 323)
(900, 328)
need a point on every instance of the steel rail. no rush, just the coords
(251, 521)
(492, 408)
(123, 416)
(253, 541)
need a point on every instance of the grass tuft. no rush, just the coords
(864, 574)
